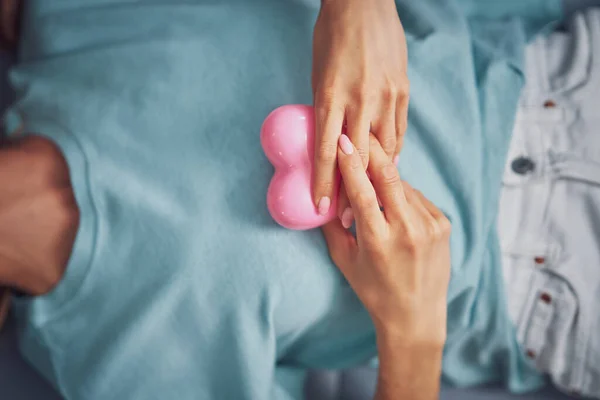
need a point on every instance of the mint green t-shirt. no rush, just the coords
(180, 286)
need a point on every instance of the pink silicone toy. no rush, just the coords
(288, 140)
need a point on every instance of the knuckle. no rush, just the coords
(411, 247)
(356, 92)
(403, 88)
(356, 164)
(327, 101)
(445, 225)
(373, 140)
(390, 175)
(366, 200)
(362, 93)
(325, 187)
(326, 94)
(389, 93)
(433, 230)
(327, 152)
(416, 240)
(364, 156)
(388, 143)
(407, 188)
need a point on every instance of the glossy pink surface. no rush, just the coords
(288, 140)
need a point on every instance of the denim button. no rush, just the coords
(539, 260)
(522, 165)
(546, 298)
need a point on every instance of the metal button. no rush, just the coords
(522, 165)
(539, 260)
(546, 298)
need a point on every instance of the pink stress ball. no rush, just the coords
(288, 140)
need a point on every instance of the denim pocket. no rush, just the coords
(550, 337)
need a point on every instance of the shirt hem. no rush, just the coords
(42, 309)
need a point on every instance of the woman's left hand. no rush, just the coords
(359, 80)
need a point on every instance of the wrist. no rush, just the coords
(399, 340)
(417, 327)
(408, 367)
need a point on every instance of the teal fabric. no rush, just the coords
(180, 285)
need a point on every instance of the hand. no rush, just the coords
(38, 216)
(4, 305)
(359, 80)
(399, 262)
(9, 21)
(399, 266)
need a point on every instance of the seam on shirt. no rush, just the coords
(68, 143)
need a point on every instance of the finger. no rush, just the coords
(401, 121)
(361, 193)
(418, 219)
(419, 207)
(384, 127)
(341, 244)
(359, 126)
(409, 192)
(386, 181)
(435, 212)
(328, 127)
(345, 213)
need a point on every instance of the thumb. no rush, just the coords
(342, 245)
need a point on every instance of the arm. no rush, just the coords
(360, 85)
(4, 305)
(408, 368)
(399, 267)
(9, 22)
(38, 216)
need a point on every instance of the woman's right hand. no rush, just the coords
(398, 265)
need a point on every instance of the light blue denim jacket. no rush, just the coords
(549, 220)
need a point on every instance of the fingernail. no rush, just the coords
(346, 144)
(396, 159)
(347, 218)
(324, 205)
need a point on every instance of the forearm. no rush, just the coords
(4, 305)
(9, 22)
(408, 369)
(38, 216)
